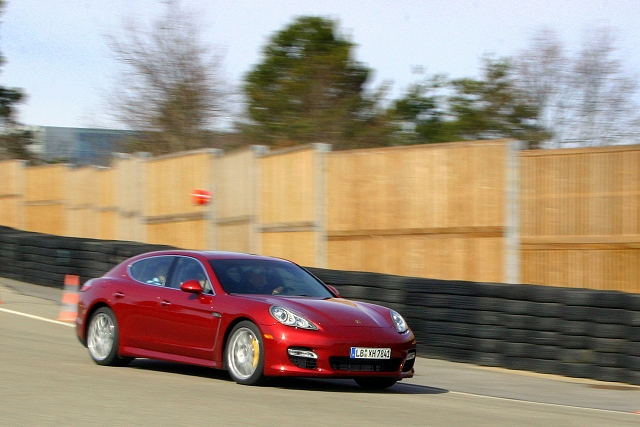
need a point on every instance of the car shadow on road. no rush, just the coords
(179, 368)
(310, 384)
(349, 386)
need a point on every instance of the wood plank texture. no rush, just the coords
(435, 210)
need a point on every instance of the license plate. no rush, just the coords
(370, 353)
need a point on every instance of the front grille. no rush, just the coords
(364, 365)
(304, 362)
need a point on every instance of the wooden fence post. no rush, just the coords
(320, 203)
(13, 189)
(21, 195)
(255, 233)
(512, 213)
(211, 214)
(140, 188)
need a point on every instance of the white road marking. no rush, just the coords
(533, 402)
(44, 319)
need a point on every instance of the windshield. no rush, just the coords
(266, 277)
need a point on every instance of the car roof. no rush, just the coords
(211, 255)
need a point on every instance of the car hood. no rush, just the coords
(333, 311)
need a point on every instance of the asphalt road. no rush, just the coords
(48, 379)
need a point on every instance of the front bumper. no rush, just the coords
(333, 352)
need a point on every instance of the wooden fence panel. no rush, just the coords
(236, 237)
(287, 211)
(297, 246)
(170, 216)
(81, 195)
(185, 234)
(106, 204)
(580, 222)
(45, 199)
(431, 210)
(128, 179)
(235, 196)
(12, 175)
(287, 187)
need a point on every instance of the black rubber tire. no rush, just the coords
(490, 359)
(546, 324)
(632, 302)
(544, 338)
(577, 313)
(489, 346)
(376, 383)
(632, 348)
(252, 332)
(603, 330)
(607, 345)
(490, 318)
(545, 352)
(111, 357)
(518, 307)
(490, 332)
(547, 309)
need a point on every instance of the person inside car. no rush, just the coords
(259, 284)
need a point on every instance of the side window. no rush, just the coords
(189, 269)
(153, 271)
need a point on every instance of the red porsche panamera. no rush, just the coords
(254, 316)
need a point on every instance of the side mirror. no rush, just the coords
(191, 286)
(334, 290)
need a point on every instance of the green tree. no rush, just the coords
(309, 88)
(420, 116)
(14, 140)
(494, 107)
(442, 110)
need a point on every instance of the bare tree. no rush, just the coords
(170, 86)
(602, 98)
(14, 139)
(541, 73)
(585, 100)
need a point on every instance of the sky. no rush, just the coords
(57, 51)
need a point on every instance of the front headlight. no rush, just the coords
(398, 322)
(289, 318)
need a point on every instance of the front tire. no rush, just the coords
(245, 354)
(102, 338)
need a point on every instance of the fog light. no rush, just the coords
(411, 356)
(302, 353)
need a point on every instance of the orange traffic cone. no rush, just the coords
(70, 298)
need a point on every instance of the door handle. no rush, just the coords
(165, 303)
(118, 295)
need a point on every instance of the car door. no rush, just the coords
(186, 324)
(136, 301)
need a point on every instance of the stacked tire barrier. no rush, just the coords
(571, 332)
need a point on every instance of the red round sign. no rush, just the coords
(200, 197)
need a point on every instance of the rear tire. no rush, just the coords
(376, 383)
(103, 337)
(245, 354)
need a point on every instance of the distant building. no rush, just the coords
(79, 146)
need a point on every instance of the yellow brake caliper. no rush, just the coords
(256, 351)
